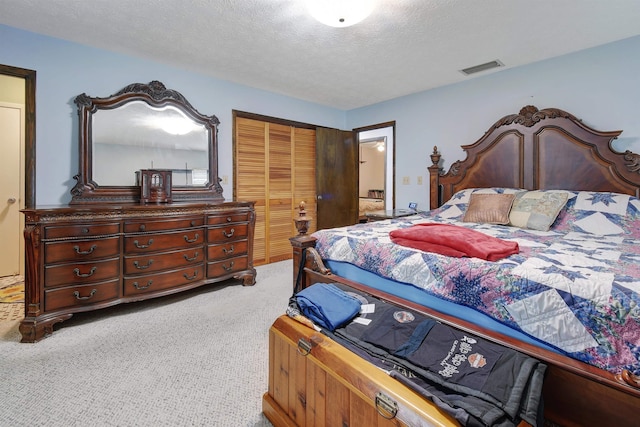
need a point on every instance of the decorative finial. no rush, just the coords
(435, 156)
(302, 221)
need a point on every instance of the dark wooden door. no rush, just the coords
(336, 177)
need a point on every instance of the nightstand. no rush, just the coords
(388, 214)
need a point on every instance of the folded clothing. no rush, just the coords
(454, 240)
(327, 305)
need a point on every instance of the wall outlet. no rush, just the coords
(225, 179)
(419, 179)
(405, 180)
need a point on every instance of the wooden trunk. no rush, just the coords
(314, 381)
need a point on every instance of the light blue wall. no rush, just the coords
(65, 70)
(598, 85)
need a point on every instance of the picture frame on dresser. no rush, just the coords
(115, 244)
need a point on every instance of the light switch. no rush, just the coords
(405, 180)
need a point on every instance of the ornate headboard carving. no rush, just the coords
(539, 149)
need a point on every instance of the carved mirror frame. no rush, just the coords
(156, 95)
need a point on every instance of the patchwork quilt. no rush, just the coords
(575, 287)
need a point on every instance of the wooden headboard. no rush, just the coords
(539, 149)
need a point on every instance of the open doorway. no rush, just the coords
(376, 149)
(17, 149)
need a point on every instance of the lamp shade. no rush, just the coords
(340, 13)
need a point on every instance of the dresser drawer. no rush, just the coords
(228, 233)
(172, 224)
(142, 264)
(79, 250)
(228, 266)
(228, 218)
(80, 230)
(143, 243)
(166, 280)
(81, 272)
(80, 295)
(227, 250)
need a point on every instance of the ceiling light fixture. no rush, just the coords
(340, 13)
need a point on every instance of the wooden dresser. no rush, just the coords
(82, 258)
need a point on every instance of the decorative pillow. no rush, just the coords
(537, 210)
(489, 208)
(454, 208)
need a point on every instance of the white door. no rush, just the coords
(11, 143)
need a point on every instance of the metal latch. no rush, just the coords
(304, 347)
(386, 406)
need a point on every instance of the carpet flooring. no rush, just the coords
(199, 358)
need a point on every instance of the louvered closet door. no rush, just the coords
(304, 176)
(280, 190)
(275, 167)
(250, 177)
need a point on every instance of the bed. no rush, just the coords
(369, 204)
(584, 266)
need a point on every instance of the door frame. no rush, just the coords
(391, 124)
(29, 77)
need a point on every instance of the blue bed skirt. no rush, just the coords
(414, 294)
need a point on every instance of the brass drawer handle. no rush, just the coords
(228, 251)
(195, 238)
(79, 252)
(142, 267)
(231, 233)
(195, 274)
(229, 219)
(79, 298)
(138, 287)
(195, 257)
(139, 246)
(76, 271)
(228, 268)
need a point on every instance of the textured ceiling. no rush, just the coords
(403, 47)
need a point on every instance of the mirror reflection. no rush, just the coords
(137, 135)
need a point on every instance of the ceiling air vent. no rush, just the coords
(482, 67)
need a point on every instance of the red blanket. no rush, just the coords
(454, 240)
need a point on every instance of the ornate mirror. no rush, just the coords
(145, 127)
